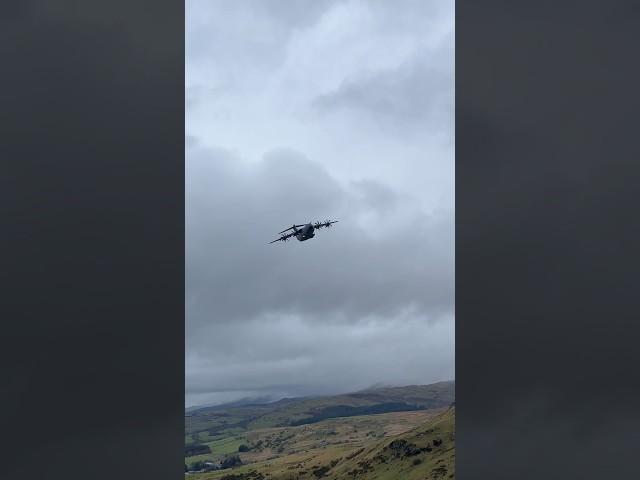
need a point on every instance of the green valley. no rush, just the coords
(402, 432)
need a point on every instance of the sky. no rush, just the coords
(305, 111)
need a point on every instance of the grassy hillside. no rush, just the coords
(342, 436)
(427, 451)
(376, 447)
(213, 423)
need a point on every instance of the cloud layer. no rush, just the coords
(341, 111)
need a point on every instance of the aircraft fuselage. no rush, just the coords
(305, 233)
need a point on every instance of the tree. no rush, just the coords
(231, 462)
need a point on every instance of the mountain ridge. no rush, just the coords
(211, 423)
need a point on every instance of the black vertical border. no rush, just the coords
(547, 240)
(92, 195)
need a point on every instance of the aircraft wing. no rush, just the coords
(286, 229)
(326, 223)
(284, 238)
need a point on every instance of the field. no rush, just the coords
(416, 443)
(382, 447)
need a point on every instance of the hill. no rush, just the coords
(428, 451)
(207, 423)
(302, 434)
(377, 447)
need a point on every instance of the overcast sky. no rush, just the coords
(300, 111)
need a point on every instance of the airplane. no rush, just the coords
(305, 231)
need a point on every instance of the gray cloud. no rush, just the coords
(418, 92)
(297, 115)
(288, 356)
(369, 264)
(385, 266)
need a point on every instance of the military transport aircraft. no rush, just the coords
(303, 232)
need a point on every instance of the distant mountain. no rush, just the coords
(430, 396)
(243, 402)
(206, 423)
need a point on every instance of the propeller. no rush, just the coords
(326, 223)
(283, 238)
